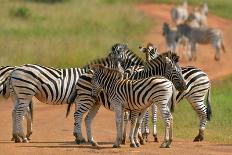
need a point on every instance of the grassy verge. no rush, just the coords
(218, 129)
(221, 8)
(66, 34)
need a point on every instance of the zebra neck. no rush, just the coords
(148, 72)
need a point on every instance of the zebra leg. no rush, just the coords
(193, 51)
(78, 115)
(88, 121)
(20, 112)
(217, 46)
(154, 120)
(28, 117)
(167, 117)
(145, 126)
(137, 128)
(134, 118)
(119, 111)
(126, 119)
(15, 137)
(200, 108)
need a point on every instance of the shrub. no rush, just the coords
(21, 12)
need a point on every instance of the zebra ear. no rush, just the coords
(168, 60)
(142, 49)
(90, 71)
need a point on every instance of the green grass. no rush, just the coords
(69, 33)
(219, 129)
(221, 8)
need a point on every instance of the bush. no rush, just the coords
(21, 12)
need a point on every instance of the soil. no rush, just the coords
(52, 132)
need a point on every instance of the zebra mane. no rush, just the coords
(106, 61)
(134, 58)
(107, 70)
(171, 55)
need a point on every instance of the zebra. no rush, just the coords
(173, 38)
(179, 14)
(48, 85)
(198, 90)
(198, 18)
(136, 96)
(202, 35)
(85, 101)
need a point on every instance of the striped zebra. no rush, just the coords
(198, 18)
(173, 39)
(48, 85)
(198, 90)
(179, 14)
(86, 103)
(136, 96)
(202, 35)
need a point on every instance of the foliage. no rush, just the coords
(68, 34)
(21, 12)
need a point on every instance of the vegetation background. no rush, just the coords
(69, 33)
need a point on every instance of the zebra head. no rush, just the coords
(103, 77)
(117, 53)
(174, 72)
(150, 51)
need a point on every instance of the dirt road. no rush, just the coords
(52, 133)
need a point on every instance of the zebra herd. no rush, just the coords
(191, 29)
(121, 82)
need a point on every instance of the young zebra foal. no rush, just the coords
(133, 95)
(202, 35)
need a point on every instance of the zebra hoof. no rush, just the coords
(145, 136)
(156, 139)
(80, 141)
(123, 141)
(25, 140)
(142, 142)
(94, 144)
(17, 140)
(166, 144)
(133, 145)
(198, 138)
(116, 146)
(137, 144)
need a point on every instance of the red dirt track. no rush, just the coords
(52, 132)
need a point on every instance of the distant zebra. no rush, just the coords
(198, 89)
(173, 38)
(198, 18)
(85, 102)
(179, 14)
(49, 85)
(202, 36)
(136, 96)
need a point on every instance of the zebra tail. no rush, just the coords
(208, 102)
(68, 108)
(31, 110)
